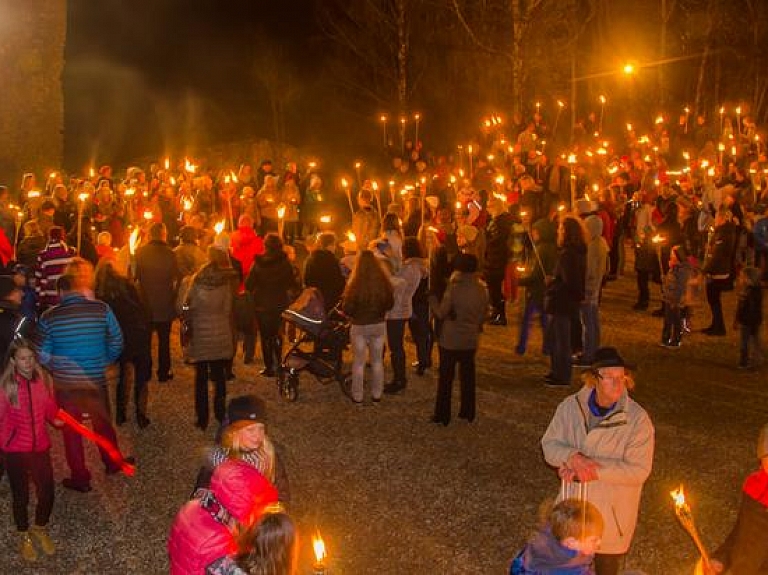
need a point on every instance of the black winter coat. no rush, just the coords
(567, 290)
(322, 271)
(270, 281)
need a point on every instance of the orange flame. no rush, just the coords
(318, 545)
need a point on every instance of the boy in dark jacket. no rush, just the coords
(749, 317)
(565, 545)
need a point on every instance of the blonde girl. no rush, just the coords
(26, 404)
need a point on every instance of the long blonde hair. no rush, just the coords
(8, 382)
(230, 440)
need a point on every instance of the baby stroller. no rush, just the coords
(318, 346)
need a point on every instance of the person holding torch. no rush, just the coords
(744, 551)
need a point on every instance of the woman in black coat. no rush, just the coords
(270, 281)
(121, 295)
(564, 295)
(718, 267)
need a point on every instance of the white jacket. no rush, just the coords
(622, 443)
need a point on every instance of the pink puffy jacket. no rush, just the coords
(22, 428)
(197, 539)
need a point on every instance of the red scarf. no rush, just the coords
(756, 487)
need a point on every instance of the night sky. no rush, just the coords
(144, 77)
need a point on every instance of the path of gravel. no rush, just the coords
(395, 494)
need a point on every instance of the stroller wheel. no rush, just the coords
(288, 385)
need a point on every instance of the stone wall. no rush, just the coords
(32, 37)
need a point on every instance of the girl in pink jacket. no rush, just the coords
(26, 404)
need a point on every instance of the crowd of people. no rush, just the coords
(95, 266)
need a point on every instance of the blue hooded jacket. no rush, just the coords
(545, 555)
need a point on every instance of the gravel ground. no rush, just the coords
(392, 493)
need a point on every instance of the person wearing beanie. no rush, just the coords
(207, 298)
(243, 436)
(674, 290)
(597, 268)
(744, 551)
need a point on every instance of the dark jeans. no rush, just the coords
(532, 307)
(204, 371)
(749, 335)
(590, 322)
(269, 332)
(607, 564)
(714, 291)
(448, 360)
(163, 329)
(421, 330)
(672, 331)
(559, 328)
(495, 278)
(94, 402)
(643, 290)
(395, 337)
(249, 344)
(21, 468)
(142, 373)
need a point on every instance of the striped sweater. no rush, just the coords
(77, 340)
(51, 263)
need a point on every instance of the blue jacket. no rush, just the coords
(544, 555)
(77, 340)
(760, 231)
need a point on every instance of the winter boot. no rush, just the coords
(26, 548)
(40, 533)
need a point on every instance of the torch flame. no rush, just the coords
(187, 204)
(351, 237)
(33, 194)
(375, 186)
(657, 239)
(234, 177)
(91, 172)
(167, 163)
(148, 215)
(133, 240)
(458, 205)
(281, 211)
(325, 219)
(500, 180)
(82, 197)
(678, 495)
(218, 227)
(173, 181)
(602, 99)
(501, 197)
(344, 182)
(318, 545)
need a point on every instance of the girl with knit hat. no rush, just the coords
(243, 436)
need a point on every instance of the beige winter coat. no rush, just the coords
(622, 443)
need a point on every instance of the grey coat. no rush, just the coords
(463, 310)
(210, 296)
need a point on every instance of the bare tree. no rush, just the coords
(272, 70)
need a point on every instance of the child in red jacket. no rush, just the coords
(26, 403)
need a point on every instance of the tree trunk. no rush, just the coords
(402, 57)
(32, 105)
(517, 56)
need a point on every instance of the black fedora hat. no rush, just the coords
(609, 357)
